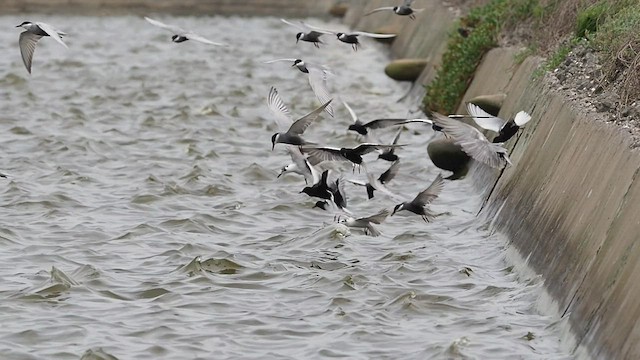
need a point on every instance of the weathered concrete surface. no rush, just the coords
(424, 37)
(570, 204)
(290, 8)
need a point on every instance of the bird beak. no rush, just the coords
(18, 26)
(273, 145)
(281, 172)
(294, 64)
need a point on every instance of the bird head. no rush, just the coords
(306, 190)
(397, 208)
(274, 140)
(339, 35)
(300, 65)
(286, 169)
(174, 37)
(25, 24)
(357, 127)
(298, 36)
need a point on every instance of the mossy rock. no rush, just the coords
(490, 103)
(338, 10)
(446, 155)
(405, 69)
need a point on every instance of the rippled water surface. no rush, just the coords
(142, 216)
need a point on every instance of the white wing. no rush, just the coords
(521, 118)
(315, 174)
(380, 186)
(52, 32)
(472, 141)
(196, 37)
(174, 29)
(484, 119)
(357, 182)
(379, 9)
(408, 121)
(372, 35)
(321, 30)
(318, 82)
(300, 26)
(311, 175)
(324, 153)
(279, 109)
(279, 60)
(300, 125)
(429, 194)
(27, 44)
(377, 218)
(303, 26)
(351, 112)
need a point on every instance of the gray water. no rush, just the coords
(142, 216)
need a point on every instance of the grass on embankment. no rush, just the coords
(550, 28)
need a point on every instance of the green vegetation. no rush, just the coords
(590, 18)
(462, 57)
(618, 42)
(477, 33)
(553, 28)
(556, 58)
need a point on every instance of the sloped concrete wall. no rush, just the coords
(424, 38)
(570, 204)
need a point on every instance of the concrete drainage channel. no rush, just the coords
(570, 202)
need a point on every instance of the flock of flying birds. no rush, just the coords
(308, 158)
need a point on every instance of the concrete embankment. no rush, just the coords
(570, 204)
